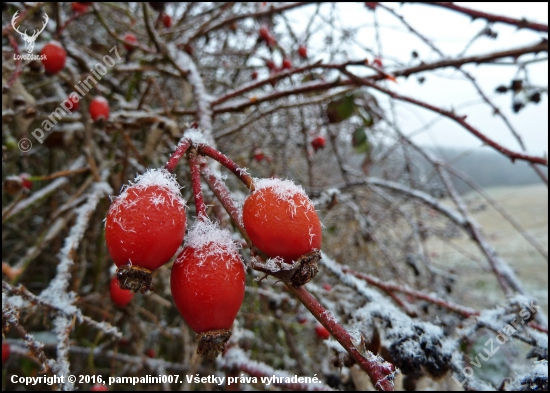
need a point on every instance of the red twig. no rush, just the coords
(451, 115)
(520, 23)
(380, 373)
(224, 196)
(196, 181)
(177, 155)
(272, 10)
(229, 164)
(536, 326)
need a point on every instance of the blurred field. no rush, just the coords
(477, 286)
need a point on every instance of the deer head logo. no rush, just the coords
(29, 41)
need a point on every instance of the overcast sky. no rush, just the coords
(450, 31)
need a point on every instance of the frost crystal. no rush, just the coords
(195, 136)
(206, 233)
(154, 177)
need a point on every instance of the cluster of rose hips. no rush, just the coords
(264, 34)
(146, 225)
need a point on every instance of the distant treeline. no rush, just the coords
(485, 167)
(489, 168)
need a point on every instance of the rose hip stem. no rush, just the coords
(181, 149)
(229, 164)
(196, 182)
(380, 373)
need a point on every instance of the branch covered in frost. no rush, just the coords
(535, 380)
(391, 287)
(44, 192)
(380, 372)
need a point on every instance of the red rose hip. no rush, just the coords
(53, 57)
(208, 282)
(99, 108)
(144, 228)
(318, 142)
(281, 220)
(302, 52)
(166, 20)
(5, 352)
(120, 297)
(132, 39)
(72, 103)
(322, 332)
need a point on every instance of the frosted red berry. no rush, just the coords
(132, 39)
(26, 182)
(318, 142)
(281, 220)
(322, 332)
(145, 224)
(166, 20)
(99, 108)
(208, 283)
(264, 33)
(53, 57)
(72, 102)
(259, 155)
(287, 64)
(302, 52)
(120, 297)
(79, 8)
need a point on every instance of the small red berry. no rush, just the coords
(5, 352)
(26, 182)
(166, 20)
(327, 286)
(371, 5)
(99, 108)
(79, 8)
(208, 283)
(130, 38)
(318, 142)
(264, 33)
(271, 42)
(146, 223)
(302, 52)
(377, 62)
(254, 75)
(259, 155)
(281, 220)
(271, 65)
(287, 64)
(120, 297)
(322, 332)
(53, 57)
(72, 102)
(151, 353)
(99, 387)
